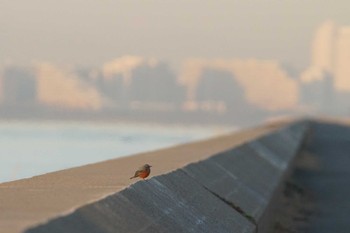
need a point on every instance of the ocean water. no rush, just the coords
(32, 148)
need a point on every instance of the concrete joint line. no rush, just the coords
(237, 208)
(231, 204)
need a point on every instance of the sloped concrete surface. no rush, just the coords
(328, 179)
(168, 203)
(225, 184)
(233, 178)
(248, 176)
(30, 202)
(228, 192)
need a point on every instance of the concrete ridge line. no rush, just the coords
(227, 202)
(303, 131)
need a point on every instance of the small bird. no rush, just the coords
(142, 172)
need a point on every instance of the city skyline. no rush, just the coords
(222, 87)
(88, 88)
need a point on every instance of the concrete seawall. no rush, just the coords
(229, 190)
(224, 184)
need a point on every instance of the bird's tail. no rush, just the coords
(133, 177)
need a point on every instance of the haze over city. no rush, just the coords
(217, 61)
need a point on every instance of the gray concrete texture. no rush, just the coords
(227, 192)
(327, 178)
(167, 203)
(29, 202)
(248, 175)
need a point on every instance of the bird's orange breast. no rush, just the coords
(144, 174)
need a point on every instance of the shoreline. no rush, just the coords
(226, 128)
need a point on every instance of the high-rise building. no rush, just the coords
(331, 54)
(342, 60)
(265, 84)
(323, 47)
(326, 83)
(19, 86)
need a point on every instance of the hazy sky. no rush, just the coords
(91, 32)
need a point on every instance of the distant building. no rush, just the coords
(115, 89)
(218, 91)
(123, 67)
(323, 46)
(331, 53)
(60, 88)
(19, 87)
(155, 86)
(139, 83)
(326, 83)
(317, 90)
(342, 60)
(264, 83)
